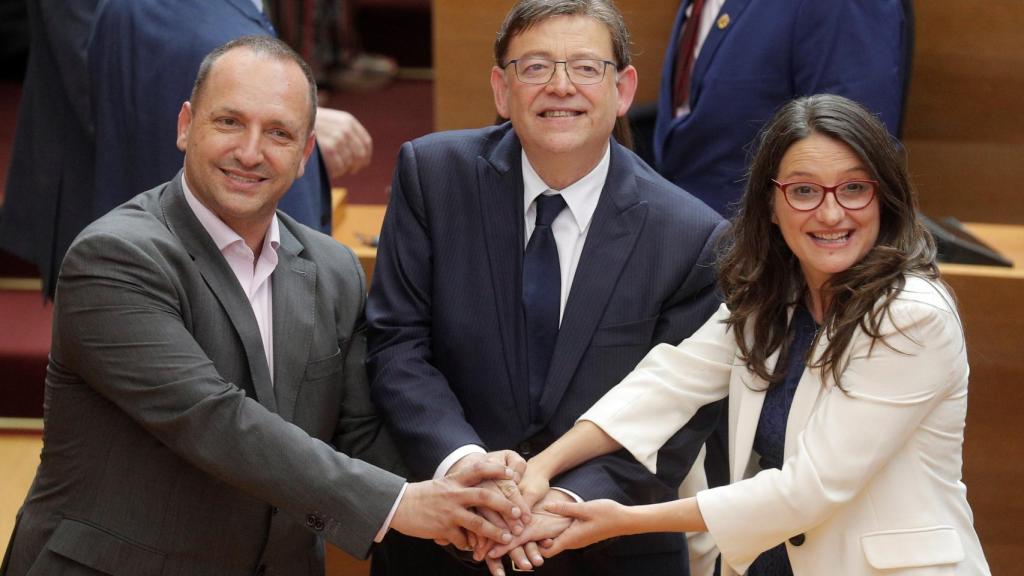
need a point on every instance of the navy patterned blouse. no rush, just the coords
(770, 438)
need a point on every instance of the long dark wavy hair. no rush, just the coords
(760, 277)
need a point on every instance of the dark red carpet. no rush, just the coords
(24, 346)
(10, 94)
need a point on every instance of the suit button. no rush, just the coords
(311, 521)
(261, 570)
(797, 540)
(273, 511)
(525, 449)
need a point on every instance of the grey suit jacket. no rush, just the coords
(167, 448)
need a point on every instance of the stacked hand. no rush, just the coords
(502, 488)
(545, 525)
(528, 549)
(588, 522)
(440, 509)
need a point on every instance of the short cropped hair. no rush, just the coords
(259, 45)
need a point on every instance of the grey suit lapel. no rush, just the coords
(500, 185)
(222, 282)
(618, 219)
(294, 295)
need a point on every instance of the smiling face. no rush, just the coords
(246, 138)
(830, 238)
(561, 122)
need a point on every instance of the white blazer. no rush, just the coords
(872, 475)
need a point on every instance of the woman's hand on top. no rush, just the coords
(592, 522)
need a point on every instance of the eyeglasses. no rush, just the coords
(581, 71)
(807, 196)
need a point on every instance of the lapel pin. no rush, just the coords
(723, 21)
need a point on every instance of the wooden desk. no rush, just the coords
(1007, 239)
(353, 223)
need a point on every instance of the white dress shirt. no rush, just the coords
(571, 225)
(570, 229)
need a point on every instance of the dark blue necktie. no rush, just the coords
(542, 293)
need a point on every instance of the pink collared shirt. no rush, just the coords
(253, 274)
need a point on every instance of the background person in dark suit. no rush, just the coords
(104, 85)
(752, 56)
(47, 200)
(453, 311)
(143, 57)
(206, 396)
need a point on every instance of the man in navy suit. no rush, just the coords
(752, 56)
(452, 313)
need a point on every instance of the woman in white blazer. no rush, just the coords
(844, 360)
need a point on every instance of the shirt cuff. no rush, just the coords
(571, 494)
(455, 456)
(387, 521)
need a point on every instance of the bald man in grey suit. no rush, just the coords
(206, 397)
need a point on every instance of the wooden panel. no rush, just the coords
(650, 27)
(19, 452)
(993, 445)
(964, 127)
(990, 307)
(463, 54)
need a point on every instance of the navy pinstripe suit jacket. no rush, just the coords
(447, 353)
